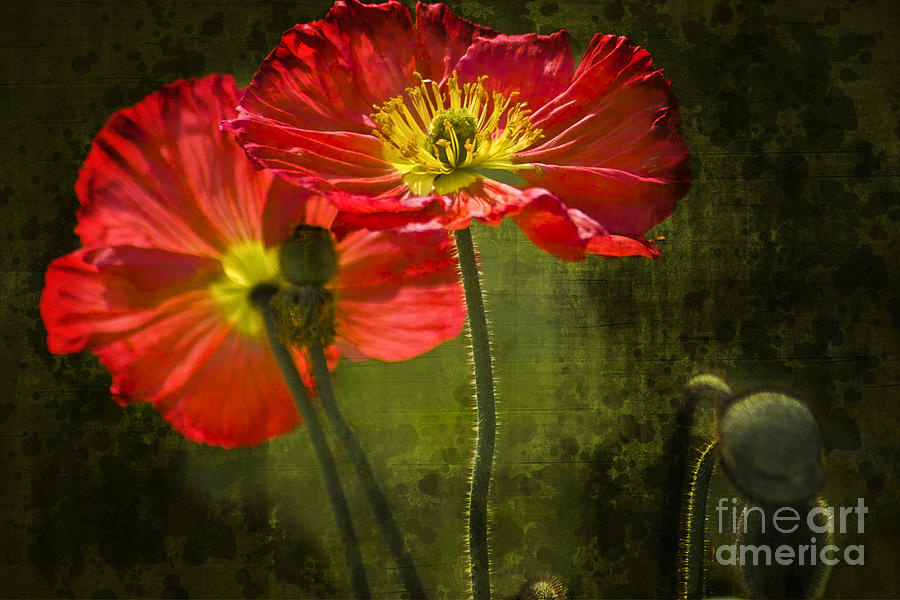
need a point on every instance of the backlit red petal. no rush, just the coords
(396, 209)
(621, 202)
(368, 258)
(636, 128)
(489, 201)
(288, 206)
(327, 74)
(565, 232)
(536, 67)
(398, 294)
(547, 223)
(340, 157)
(619, 113)
(395, 325)
(620, 245)
(162, 175)
(155, 361)
(236, 397)
(616, 58)
(93, 297)
(445, 38)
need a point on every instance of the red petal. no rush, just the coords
(398, 294)
(288, 206)
(162, 175)
(489, 201)
(397, 209)
(548, 224)
(368, 258)
(93, 297)
(235, 398)
(398, 200)
(148, 317)
(617, 58)
(619, 113)
(537, 67)
(564, 232)
(155, 361)
(620, 245)
(401, 210)
(328, 74)
(409, 322)
(340, 157)
(445, 38)
(621, 202)
(602, 242)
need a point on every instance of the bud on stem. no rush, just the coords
(305, 311)
(304, 316)
(308, 257)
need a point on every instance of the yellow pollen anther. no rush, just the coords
(245, 265)
(442, 140)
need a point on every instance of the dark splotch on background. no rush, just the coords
(779, 268)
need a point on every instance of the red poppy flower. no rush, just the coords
(445, 121)
(177, 228)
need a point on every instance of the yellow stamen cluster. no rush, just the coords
(245, 265)
(442, 140)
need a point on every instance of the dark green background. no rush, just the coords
(780, 267)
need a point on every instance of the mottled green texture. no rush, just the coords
(780, 266)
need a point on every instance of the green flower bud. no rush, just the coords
(308, 257)
(771, 447)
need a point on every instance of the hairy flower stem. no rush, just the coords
(695, 524)
(333, 487)
(486, 416)
(380, 506)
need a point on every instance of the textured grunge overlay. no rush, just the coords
(779, 268)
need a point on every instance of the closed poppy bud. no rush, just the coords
(308, 256)
(771, 446)
(713, 388)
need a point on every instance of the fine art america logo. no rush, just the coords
(791, 521)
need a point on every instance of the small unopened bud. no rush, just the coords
(304, 316)
(308, 257)
(542, 588)
(771, 447)
(710, 385)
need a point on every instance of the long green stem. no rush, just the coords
(694, 548)
(333, 487)
(479, 562)
(380, 506)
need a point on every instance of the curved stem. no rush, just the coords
(694, 548)
(380, 506)
(487, 418)
(333, 487)
(681, 452)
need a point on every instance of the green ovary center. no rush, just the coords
(444, 141)
(448, 134)
(246, 265)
